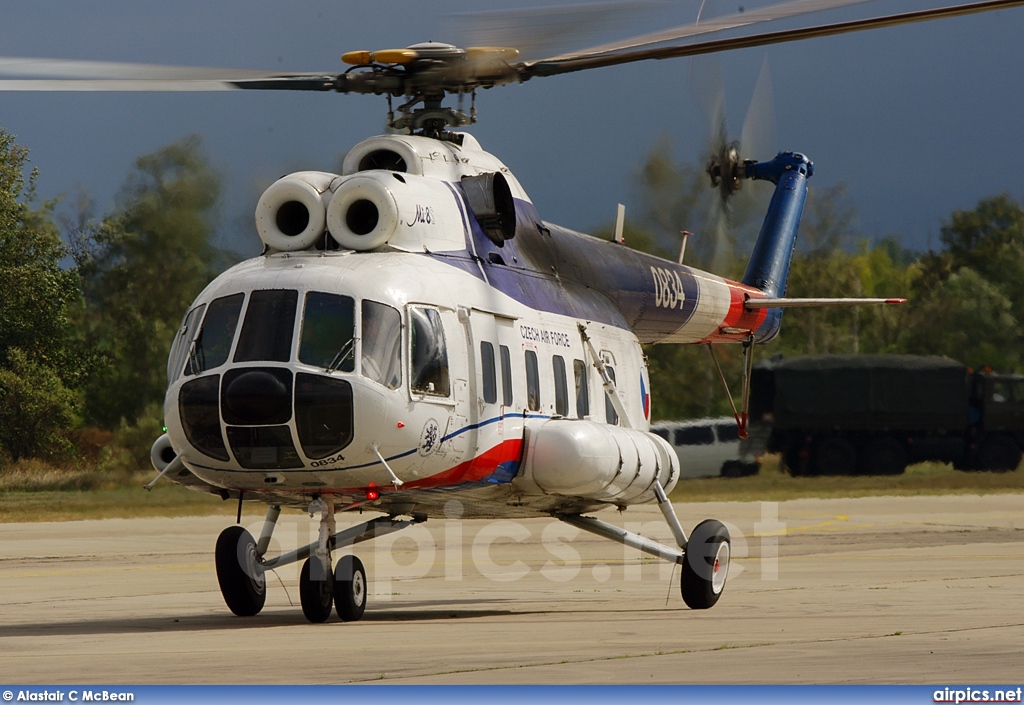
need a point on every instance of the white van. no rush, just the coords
(706, 447)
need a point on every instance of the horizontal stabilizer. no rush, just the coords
(811, 303)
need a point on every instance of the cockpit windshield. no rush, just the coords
(327, 337)
(268, 328)
(213, 343)
(328, 332)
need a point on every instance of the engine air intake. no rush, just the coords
(291, 214)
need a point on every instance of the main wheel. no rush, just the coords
(316, 593)
(883, 456)
(350, 589)
(242, 583)
(706, 565)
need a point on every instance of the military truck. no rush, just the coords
(875, 414)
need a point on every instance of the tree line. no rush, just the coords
(91, 303)
(964, 298)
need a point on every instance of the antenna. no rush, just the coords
(620, 223)
(682, 248)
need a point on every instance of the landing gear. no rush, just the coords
(242, 581)
(704, 556)
(316, 590)
(706, 567)
(241, 565)
(350, 589)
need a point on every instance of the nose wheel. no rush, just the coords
(316, 589)
(242, 565)
(242, 580)
(343, 589)
(350, 589)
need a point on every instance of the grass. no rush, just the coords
(33, 490)
(37, 491)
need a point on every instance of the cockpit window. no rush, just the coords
(328, 332)
(429, 354)
(268, 327)
(382, 344)
(213, 342)
(182, 341)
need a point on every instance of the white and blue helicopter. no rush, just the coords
(414, 330)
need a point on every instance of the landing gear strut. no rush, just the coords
(242, 567)
(704, 556)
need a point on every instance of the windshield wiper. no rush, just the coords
(196, 356)
(344, 353)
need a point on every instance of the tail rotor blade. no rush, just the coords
(759, 137)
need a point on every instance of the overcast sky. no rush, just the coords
(917, 121)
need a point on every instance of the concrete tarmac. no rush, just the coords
(876, 590)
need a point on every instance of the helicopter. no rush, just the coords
(415, 332)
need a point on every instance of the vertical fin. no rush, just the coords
(768, 268)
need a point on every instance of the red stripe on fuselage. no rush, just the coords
(739, 321)
(473, 470)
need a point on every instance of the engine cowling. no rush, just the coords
(162, 454)
(578, 458)
(407, 212)
(291, 214)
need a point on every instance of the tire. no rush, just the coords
(350, 589)
(883, 456)
(998, 452)
(834, 455)
(242, 584)
(705, 565)
(316, 596)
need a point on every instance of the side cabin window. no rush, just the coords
(429, 355)
(328, 332)
(213, 341)
(268, 328)
(381, 359)
(506, 374)
(579, 369)
(532, 381)
(490, 377)
(561, 388)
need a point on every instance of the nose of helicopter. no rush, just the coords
(270, 417)
(257, 396)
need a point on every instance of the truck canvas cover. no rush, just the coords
(863, 392)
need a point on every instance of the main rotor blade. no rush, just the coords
(539, 31)
(31, 74)
(554, 67)
(744, 18)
